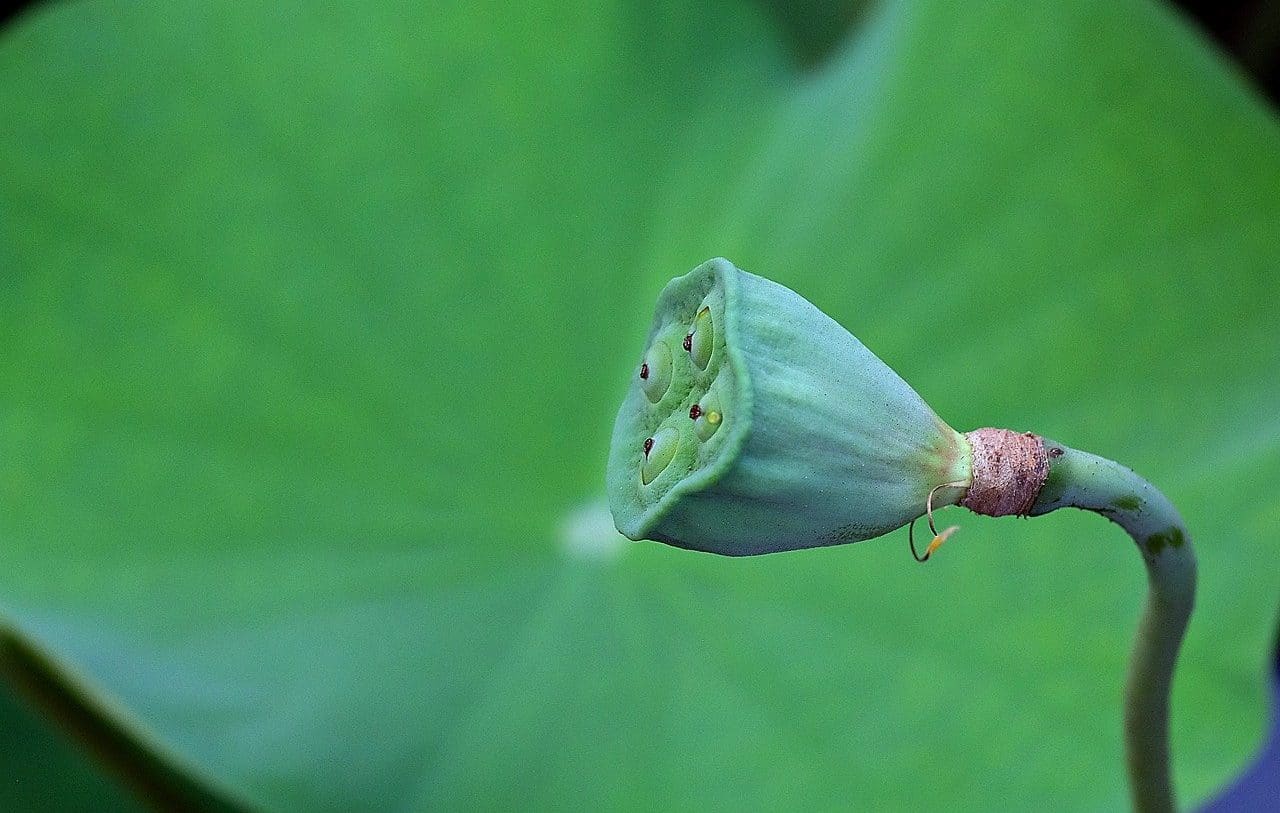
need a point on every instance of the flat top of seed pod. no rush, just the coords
(688, 410)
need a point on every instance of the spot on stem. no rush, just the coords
(1129, 502)
(1172, 537)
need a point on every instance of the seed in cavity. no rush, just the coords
(659, 452)
(700, 341)
(706, 416)
(655, 372)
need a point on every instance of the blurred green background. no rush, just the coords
(313, 322)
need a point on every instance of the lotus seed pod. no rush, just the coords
(777, 430)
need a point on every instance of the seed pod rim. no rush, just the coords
(637, 520)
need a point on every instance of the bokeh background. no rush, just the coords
(313, 322)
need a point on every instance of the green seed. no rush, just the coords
(658, 452)
(707, 416)
(702, 339)
(655, 372)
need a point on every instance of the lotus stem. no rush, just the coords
(1076, 479)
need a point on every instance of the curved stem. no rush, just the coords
(1081, 480)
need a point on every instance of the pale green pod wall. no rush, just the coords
(820, 442)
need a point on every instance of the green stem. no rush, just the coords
(1081, 480)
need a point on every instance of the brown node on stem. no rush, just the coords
(1009, 469)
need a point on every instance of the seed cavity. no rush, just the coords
(658, 453)
(702, 339)
(655, 372)
(706, 416)
(707, 425)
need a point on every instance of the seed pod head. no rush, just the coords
(772, 428)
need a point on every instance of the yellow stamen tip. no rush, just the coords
(939, 539)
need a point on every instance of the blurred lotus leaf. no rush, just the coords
(313, 322)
